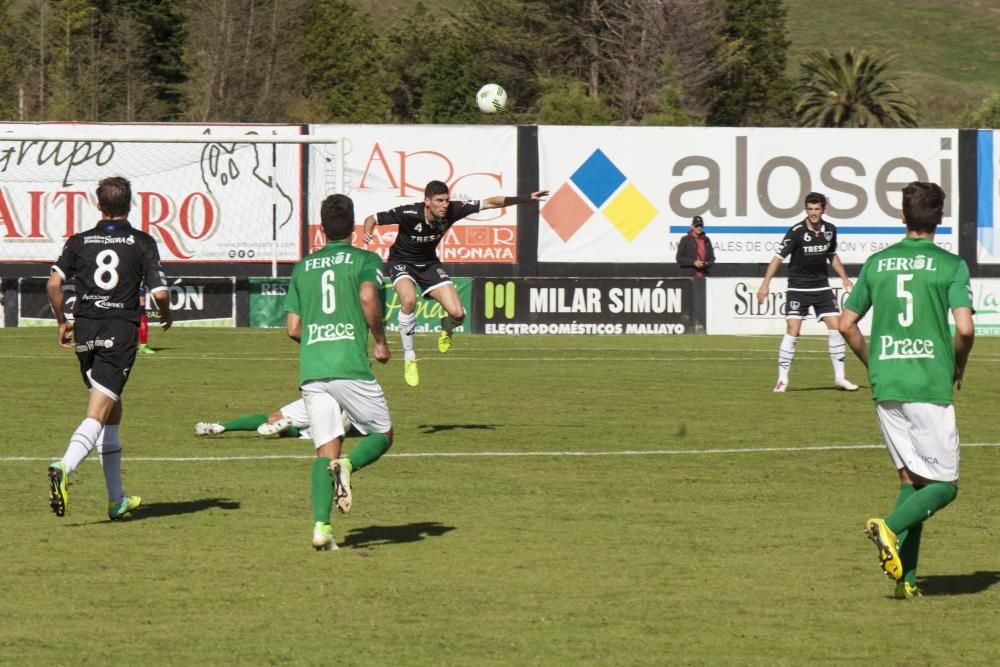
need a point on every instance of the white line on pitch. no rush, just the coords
(652, 452)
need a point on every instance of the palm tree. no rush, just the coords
(853, 90)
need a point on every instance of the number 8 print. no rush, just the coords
(107, 262)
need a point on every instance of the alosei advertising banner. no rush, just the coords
(584, 306)
(628, 194)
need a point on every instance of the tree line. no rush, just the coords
(653, 62)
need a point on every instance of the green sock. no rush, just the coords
(909, 553)
(245, 423)
(322, 489)
(921, 505)
(290, 432)
(369, 450)
(905, 491)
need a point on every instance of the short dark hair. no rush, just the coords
(923, 206)
(816, 198)
(336, 214)
(114, 196)
(436, 188)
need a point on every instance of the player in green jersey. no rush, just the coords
(332, 304)
(913, 363)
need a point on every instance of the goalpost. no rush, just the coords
(206, 193)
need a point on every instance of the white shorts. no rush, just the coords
(921, 437)
(362, 400)
(296, 412)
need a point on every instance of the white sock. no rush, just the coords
(836, 345)
(110, 449)
(786, 354)
(81, 443)
(407, 323)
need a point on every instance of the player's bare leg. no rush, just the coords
(448, 297)
(786, 352)
(836, 346)
(406, 289)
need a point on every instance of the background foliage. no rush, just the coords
(684, 62)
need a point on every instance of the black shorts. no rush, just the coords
(106, 350)
(823, 303)
(428, 276)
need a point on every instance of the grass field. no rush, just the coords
(548, 501)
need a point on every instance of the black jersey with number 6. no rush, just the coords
(417, 240)
(108, 264)
(810, 251)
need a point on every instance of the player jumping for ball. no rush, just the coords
(413, 259)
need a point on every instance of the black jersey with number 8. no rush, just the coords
(108, 264)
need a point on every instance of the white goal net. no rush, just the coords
(206, 193)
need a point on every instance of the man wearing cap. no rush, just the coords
(695, 251)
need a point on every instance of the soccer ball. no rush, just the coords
(491, 98)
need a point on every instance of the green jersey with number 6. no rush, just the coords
(324, 292)
(911, 287)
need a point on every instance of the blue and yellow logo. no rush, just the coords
(598, 185)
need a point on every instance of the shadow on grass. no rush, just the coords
(957, 584)
(154, 510)
(381, 535)
(437, 428)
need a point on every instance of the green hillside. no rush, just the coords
(950, 50)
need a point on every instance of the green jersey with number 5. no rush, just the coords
(324, 292)
(911, 286)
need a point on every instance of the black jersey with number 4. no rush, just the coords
(810, 251)
(417, 240)
(108, 264)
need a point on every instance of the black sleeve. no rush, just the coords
(686, 253)
(462, 209)
(152, 270)
(710, 251)
(67, 259)
(787, 244)
(393, 216)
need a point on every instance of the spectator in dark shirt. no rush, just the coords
(695, 252)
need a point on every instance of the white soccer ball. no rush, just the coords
(491, 98)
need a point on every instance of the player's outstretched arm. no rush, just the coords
(501, 202)
(849, 329)
(765, 285)
(371, 306)
(965, 332)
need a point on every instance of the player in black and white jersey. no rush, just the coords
(107, 265)
(811, 244)
(413, 259)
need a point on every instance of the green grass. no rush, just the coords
(949, 50)
(693, 555)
